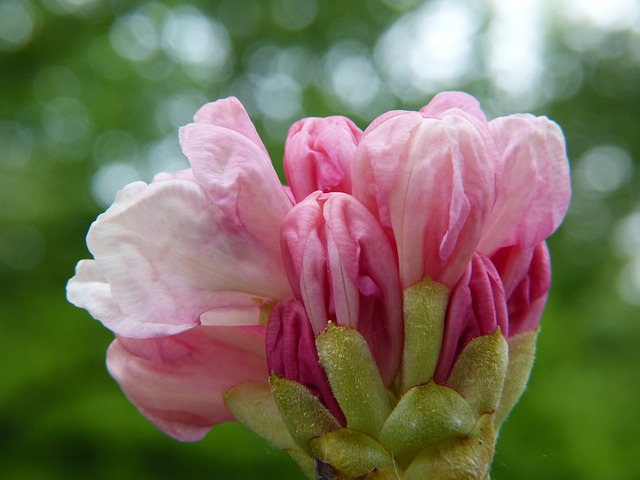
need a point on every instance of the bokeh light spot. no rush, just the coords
(191, 38)
(111, 178)
(294, 14)
(629, 282)
(134, 36)
(604, 169)
(353, 77)
(429, 48)
(278, 96)
(17, 24)
(16, 144)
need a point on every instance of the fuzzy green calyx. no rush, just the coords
(426, 415)
(354, 378)
(480, 370)
(425, 305)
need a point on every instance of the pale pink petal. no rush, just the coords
(170, 255)
(230, 113)
(88, 289)
(292, 354)
(239, 178)
(186, 174)
(535, 191)
(477, 307)
(177, 381)
(318, 155)
(445, 101)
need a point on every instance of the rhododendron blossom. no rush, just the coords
(385, 301)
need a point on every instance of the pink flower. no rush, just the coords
(176, 260)
(188, 269)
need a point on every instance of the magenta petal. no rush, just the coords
(170, 255)
(230, 113)
(177, 381)
(535, 188)
(526, 274)
(291, 352)
(319, 154)
(477, 307)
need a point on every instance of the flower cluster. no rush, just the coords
(403, 268)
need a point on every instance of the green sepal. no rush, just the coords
(354, 378)
(350, 451)
(304, 461)
(326, 471)
(480, 370)
(425, 306)
(458, 459)
(425, 415)
(302, 412)
(253, 405)
(522, 350)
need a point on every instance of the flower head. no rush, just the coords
(383, 306)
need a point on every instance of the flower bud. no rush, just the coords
(526, 276)
(477, 307)
(292, 354)
(343, 269)
(318, 155)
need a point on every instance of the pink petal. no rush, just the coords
(477, 307)
(378, 161)
(439, 194)
(170, 255)
(535, 191)
(291, 352)
(346, 270)
(229, 113)
(308, 274)
(319, 154)
(177, 381)
(526, 275)
(239, 178)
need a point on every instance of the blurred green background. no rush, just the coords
(92, 93)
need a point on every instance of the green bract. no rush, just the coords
(420, 430)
